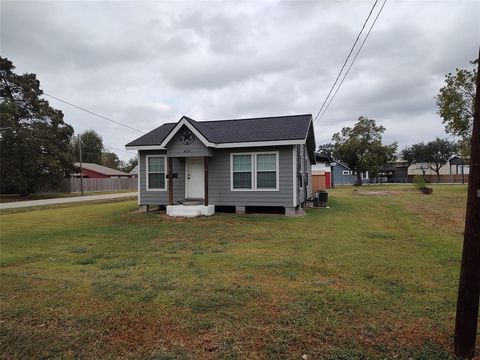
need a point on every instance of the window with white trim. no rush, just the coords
(266, 171)
(156, 173)
(345, 172)
(242, 171)
(254, 171)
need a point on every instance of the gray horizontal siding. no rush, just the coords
(161, 197)
(219, 180)
(304, 168)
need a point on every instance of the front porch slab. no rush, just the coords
(190, 210)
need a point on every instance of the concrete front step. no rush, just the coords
(190, 210)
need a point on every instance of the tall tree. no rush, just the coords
(455, 103)
(92, 147)
(34, 139)
(433, 154)
(361, 148)
(130, 164)
(111, 160)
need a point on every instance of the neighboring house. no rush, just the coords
(321, 177)
(91, 170)
(321, 172)
(343, 175)
(241, 163)
(134, 172)
(394, 172)
(453, 171)
(459, 167)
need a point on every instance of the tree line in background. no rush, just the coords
(37, 146)
(361, 148)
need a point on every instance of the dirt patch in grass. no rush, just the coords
(419, 339)
(127, 332)
(207, 341)
(377, 192)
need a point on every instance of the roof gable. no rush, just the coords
(185, 122)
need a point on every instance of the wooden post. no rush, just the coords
(205, 179)
(170, 180)
(469, 286)
(81, 164)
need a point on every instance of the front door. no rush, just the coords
(194, 187)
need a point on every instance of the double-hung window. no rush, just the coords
(156, 172)
(254, 171)
(242, 171)
(266, 171)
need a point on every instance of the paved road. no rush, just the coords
(20, 204)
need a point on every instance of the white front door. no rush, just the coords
(194, 188)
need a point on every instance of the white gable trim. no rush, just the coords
(177, 127)
(145, 147)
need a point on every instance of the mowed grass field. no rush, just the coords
(374, 276)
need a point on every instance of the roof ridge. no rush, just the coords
(256, 118)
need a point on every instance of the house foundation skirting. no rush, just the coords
(143, 208)
(240, 210)
(194, 209)
(290, 211)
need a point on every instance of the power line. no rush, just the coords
(346, 60)
(93, 113)
(353, 61)
(113, 148)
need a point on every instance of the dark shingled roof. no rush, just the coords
(154, 137)
(292, 127)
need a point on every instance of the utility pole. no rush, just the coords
(469, 286)
(81, 166)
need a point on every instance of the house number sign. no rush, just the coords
(186, 136)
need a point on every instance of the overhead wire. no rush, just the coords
(93, 113)
(346, 61)
(353, 61)
(114, 148)
(100, 116)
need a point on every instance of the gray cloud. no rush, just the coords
(146, 63)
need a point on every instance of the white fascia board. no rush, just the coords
(145, 147)
(259, 143)
(177, 127)
(308, 130)
(314, 141)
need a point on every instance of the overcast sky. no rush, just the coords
(147, 63)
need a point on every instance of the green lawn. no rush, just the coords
(374, 276)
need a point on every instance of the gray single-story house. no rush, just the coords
(191, 167)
